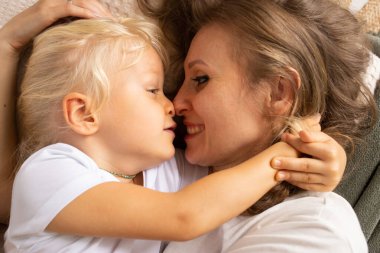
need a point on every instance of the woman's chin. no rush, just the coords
(195, 157)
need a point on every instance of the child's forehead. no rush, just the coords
(146, 62)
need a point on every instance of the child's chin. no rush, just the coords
(169, 154)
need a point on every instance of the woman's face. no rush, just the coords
(224, 117)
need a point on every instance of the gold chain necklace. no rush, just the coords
(121, 175)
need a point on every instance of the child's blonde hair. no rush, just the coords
(79, 56)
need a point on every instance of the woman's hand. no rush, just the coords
(29, 23)
(321, 171)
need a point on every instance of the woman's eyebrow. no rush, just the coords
(198, 61)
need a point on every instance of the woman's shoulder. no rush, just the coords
(326, 208)
(303, 223)
(309, 222)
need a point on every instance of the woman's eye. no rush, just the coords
(201, 79)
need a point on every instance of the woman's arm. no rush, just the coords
(127, 210)
(13, 36)
(7, 125)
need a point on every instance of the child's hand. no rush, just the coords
(322, 171)
(29, 23)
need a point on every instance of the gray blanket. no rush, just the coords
(360, 185)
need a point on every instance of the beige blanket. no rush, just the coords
(366, 10)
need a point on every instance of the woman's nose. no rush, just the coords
(181, 101)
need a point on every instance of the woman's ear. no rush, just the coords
(283, 93)
(79, 115)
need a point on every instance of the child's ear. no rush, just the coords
(79, 115)
(283, 92)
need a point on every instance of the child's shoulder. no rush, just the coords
(59, 152)
(57, 162)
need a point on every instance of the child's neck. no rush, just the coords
(138, 179)
(125, 168)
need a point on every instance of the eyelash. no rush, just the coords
(201, 79)
(154, 91)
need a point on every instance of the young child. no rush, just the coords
(93, 119)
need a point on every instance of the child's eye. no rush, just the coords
(200, 79)
(154, 91)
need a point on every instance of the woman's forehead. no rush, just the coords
(212, 41)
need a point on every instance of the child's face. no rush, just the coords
(137, 125)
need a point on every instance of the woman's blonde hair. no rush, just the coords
(79, 56)
(321, 41)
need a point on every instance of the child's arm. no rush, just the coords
(13, 36)
(135, 212)
(127, 210)
(7, 126)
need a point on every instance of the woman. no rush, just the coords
(270, 62)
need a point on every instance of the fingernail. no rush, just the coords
(276, 163)
(284, 136)
(280, 176)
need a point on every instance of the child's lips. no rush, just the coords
(171, 128)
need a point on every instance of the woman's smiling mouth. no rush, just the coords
(194, 129)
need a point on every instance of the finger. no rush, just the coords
(50, 11)
(296, 178)
(315, 187)
(315, 127)
(77, 8)
(78, 11)
(308, 165)
(313, 119)
(306, 136)
(300, 177)
(313, 122)
(94, 6)
(306, 181)
(322, 150)
(313, 136)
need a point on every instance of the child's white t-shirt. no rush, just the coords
(54, 176)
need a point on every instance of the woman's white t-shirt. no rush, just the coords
(306, 223)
